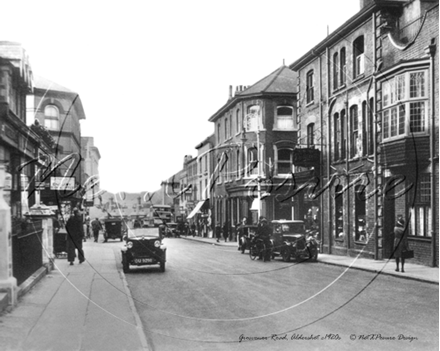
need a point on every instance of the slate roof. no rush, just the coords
(282, 81)
(46, 84)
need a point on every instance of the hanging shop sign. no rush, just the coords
(306, 157)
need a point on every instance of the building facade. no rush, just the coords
(90, 154)
(371, 88)
(255, 139)
(60, 110)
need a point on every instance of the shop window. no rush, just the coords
(51, 117)
(309, 87)
(358, 56)
(339, 213)
(420, 212)
(284, 118)
(360, 215)
(284, 161)
(404, 105)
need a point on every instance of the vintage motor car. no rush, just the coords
(247, 232)
(171, 229)
(114, 228)
(289, 241)
(143, 246)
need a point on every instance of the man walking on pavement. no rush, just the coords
(96, 227)
(75, 236)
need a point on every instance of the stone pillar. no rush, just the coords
(8, 283)
(46, 215)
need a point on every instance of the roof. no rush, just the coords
(280, 82)
(46, 84)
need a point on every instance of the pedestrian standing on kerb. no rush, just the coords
(400, 243)
(75, 236)
(96, 227)
(226, 231)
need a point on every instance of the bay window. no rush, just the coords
(284, 161)
(404, 105)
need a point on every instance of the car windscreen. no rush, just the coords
(289, 228)
(143, 232)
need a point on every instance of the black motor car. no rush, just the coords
(245, 237)
(114, 228)
(171, 229)
(143, 246)
(289, 241)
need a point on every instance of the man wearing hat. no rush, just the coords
(75, 236)
(263, 232)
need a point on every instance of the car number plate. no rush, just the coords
(143, 260)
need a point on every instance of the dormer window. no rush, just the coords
(51, 117)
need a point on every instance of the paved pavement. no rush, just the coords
(82, 307)
(412, 271)
(89, 307)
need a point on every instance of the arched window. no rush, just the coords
(358, 56)
(354, 131)
(364, 129)
(226, 129)
(237, 164)
(218, 133)
(284, 118)
(51, 117)
(342, 67)
(336, 136)
(309, 87)
(335, 70)
(237, 121)
(343, 135)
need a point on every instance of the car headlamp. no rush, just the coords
(288, 243)
(130, 244)
(157, 243)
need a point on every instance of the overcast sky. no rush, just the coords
(151, 73)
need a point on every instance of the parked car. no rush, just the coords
(114, 228)
(245, 239)
(289, 240)
(143, 246)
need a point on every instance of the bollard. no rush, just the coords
(8, 283)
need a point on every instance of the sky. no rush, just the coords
(151, 73)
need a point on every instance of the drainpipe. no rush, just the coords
(329, 202)
(430, 50)
(321, 200)
(375, 166)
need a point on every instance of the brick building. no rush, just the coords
(370, 88)
(255, 139)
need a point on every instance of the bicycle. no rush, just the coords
(258, 249)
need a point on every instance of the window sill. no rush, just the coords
(274, 129)
(339, 240)
(310, 103)
(360, 243)
(426, 239)
(339, 89)
(358, 78)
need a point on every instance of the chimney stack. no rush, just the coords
(230, 92)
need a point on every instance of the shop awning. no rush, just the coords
(196, 209)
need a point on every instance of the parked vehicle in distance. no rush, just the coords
(289, 240)
(245, 239)
(143, 246)
(114, 228)
(171, 230)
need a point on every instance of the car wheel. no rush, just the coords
(125, 264)
(285, 254)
